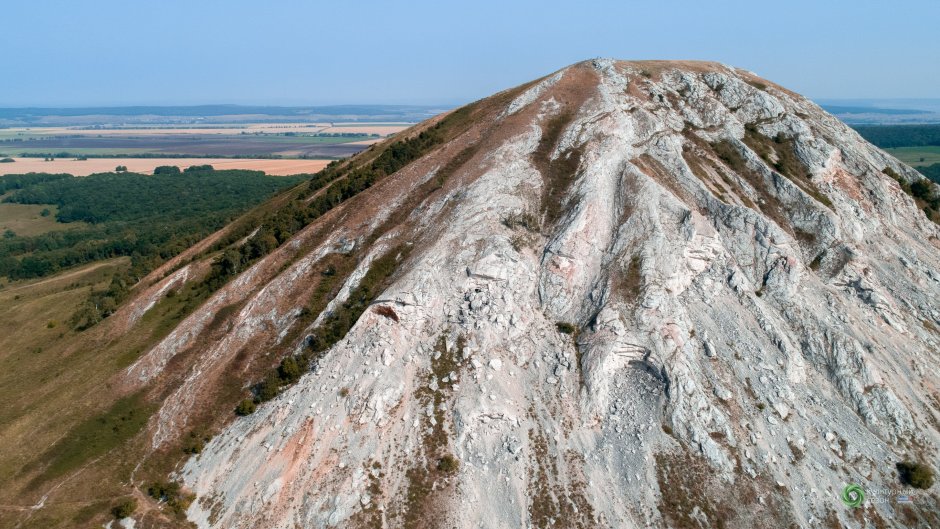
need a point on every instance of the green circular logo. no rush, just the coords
(853, 495)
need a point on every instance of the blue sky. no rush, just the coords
(286, 52)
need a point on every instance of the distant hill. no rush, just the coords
(883, 111)
(213, 114)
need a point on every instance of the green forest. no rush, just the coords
(148, 218)
(906, 139)
(891, 136)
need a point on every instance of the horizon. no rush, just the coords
(899, 102)
(300, 54)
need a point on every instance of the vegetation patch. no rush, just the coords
(97, 436)
(915, 474)
(728, 153)
(124, 509)
(701, 174)
(521, 219)
(780, 153)
(195, 442)
(559, 174)
(627, 282)
(926, 194)
(388, 312)
(892, 136)
(693, 495)
(424, 482)
(332, 329)
(550, 504)
(172, 495)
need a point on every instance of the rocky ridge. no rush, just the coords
(629, 294)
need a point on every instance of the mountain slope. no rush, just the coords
(627, 294)
(650, 292)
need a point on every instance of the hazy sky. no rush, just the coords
(119, 52)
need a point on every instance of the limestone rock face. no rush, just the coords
(718, 308)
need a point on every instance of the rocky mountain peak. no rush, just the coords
(627, 294)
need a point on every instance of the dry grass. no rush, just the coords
(690, 488)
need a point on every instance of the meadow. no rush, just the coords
(917, 156)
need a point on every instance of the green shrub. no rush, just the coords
(194, 443)
(566, 328)
(914, 474)
(245, 407)
(448, 464)
(172, 494)
(7, 160)
(167, 169)
(124, 509)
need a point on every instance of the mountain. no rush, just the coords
(628, 294)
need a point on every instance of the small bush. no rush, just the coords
(7, 160)
(124, 509)
(245, 407)
(172, 494)
(566, 328)
(45, 212)
(195, 443)
(758, 85)
(522, 220)
(388, 312)
(120, 169)
(917, 475)
(448, 464)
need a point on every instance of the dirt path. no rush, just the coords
(66, 275)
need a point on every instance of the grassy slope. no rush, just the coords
(70, 399)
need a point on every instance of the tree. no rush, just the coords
(167, 169)
(917, 475)
(245, 407)
(124, 509)
(121, 169)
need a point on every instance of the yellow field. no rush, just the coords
(146, 165)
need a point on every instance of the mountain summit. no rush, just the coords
(628, 294)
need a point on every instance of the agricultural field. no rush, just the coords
(917, 156)
(263, 140)
(272, 166)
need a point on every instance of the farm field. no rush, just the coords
(383, 129)
(324, 140)
(277, 167)
(916, 156)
